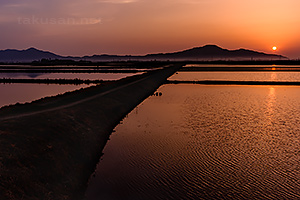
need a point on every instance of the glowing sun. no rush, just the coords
(274, 48)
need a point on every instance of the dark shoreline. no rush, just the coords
(94, 71)
(215, 82)
(59, 81)
(87, 82)
(240, 69)
(50, 147)
(151, 63)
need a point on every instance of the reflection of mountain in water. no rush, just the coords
(19, 75)
(33, 75)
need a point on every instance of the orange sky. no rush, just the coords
(142, 26)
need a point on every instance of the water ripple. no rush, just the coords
(206, 142)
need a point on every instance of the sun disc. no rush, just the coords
(274, 48)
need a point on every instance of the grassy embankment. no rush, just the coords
(50, 147)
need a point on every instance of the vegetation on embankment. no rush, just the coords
(50, 147)
(59, 81)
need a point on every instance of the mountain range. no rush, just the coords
(207, 52)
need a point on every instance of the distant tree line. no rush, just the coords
(149, 64)
(75, 81)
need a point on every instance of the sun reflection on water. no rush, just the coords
(270, 107)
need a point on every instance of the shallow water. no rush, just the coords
(228, 65)
(21, 93)
(71, 67)
(205, 142)
(90, 76)
(237, 76)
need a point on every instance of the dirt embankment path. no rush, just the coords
(50, 147)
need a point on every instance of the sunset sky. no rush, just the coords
(85, 27)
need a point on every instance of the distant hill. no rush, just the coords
(213, 52)
(208, 52)
(28, 55)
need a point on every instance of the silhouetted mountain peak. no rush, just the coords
(211, 46)
(213, 52)
(32, 49)
(27, 55)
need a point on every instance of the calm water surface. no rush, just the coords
(21, 93)
(237, 76)
(205, 142)
(90, 76)
(222, 65)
